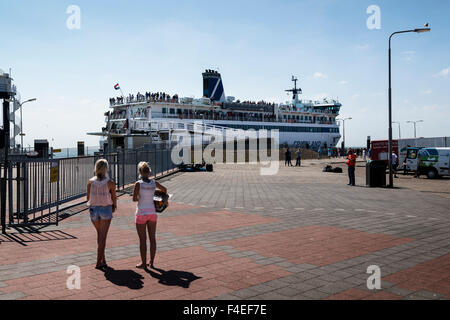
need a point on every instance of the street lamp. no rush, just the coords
(399, 129)
(415, 124)
(343, 128)
(21, 121)
(419, 30)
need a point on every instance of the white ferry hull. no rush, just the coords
(301, 139)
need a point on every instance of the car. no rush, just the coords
(411, 161)
(434, 162)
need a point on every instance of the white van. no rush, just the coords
(434, 162)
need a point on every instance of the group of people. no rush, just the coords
(351, 162)
(148, 96)
(259, 103)
(102, 202)
(224, 115)
(288, 158)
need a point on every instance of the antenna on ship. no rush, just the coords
(296, 91)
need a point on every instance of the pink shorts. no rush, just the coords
(143, 219)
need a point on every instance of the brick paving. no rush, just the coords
(236, 235)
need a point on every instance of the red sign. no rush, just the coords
(380, 149)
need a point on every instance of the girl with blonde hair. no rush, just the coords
(146, 215)
(102, 202)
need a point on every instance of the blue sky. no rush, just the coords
(256, 45)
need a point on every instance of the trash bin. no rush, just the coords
(376, 174)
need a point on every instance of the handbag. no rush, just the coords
(161, 201)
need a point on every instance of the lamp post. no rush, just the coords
(399, 129)
(415, 126)
(343, 129)
(419, 30)
(21, 121)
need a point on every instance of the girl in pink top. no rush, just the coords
(146, 215)
(102, 202)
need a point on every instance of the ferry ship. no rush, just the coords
(142, 119)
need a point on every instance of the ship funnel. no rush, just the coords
(213, 86)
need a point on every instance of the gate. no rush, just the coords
(33, 192)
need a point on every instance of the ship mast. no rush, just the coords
(296, 91)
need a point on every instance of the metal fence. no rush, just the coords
(36, 188)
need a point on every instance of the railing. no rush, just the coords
(142, 99)
(197, 127)
(37, 188)
(62, 152)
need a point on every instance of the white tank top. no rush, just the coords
(100, 195)
(146, 205)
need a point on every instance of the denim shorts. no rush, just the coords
(101, 213)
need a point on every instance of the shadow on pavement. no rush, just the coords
(173, 278)
(30, 236)
(124, 278)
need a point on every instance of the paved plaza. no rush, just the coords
(234, 234)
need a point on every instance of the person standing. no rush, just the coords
(394, 164)
(351, 163)
(288, 155)
(102, 202)
(319, 152)
(299, 158)
(146, 215)
(365, 154)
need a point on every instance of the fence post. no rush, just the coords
(3, 199)
(161, 168)
(135, 165)
(10, 187)
(57, 195)
(123, 169)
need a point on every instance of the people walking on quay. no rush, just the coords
(102, 202)
(351, 163)
(146, 215)
(299, 158)
(288, 156)
(365, 154)
(319, 153)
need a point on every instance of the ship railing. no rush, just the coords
(127, 101)
(197, 127)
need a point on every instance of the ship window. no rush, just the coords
(172, 111)
(164, 110)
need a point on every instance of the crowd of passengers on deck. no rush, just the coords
(148, 96)
(164, 97)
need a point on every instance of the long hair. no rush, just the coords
(101, 169)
